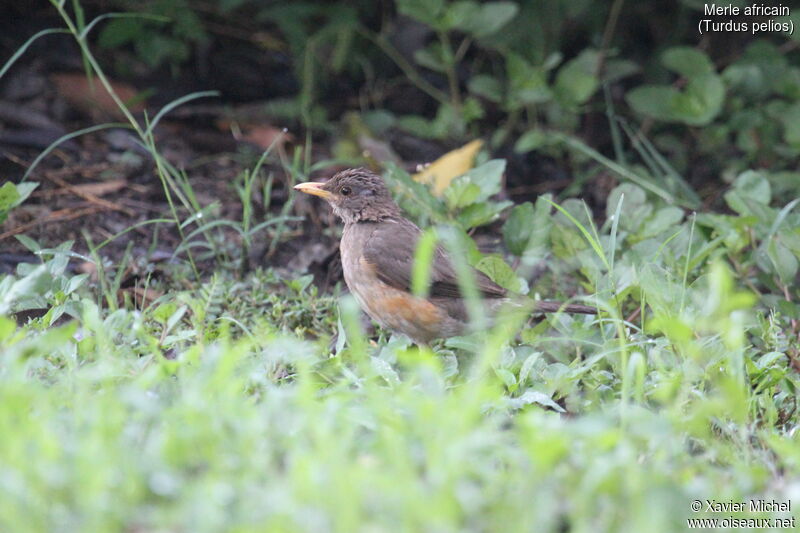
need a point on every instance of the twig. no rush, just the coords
(56, 216)
(89, 197)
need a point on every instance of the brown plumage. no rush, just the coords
(378, 247)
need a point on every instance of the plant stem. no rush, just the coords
(452, 74)
(410, 72)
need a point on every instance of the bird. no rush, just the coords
(377, 248)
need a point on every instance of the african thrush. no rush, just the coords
(377, 249)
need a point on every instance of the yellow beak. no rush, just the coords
(313, 187)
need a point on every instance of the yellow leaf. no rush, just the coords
(451, 165)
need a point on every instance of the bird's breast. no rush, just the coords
(393, 308)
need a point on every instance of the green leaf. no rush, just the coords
(28, 243)
(461, 15)
(542, 222)
(531, 396)
(75, 282)
(426, 11)
(576, 81)
(701, 101)
(664, 219)
(500, 272)
(783, 259)
(488, 177)
(8, 196)
(517, 229)
(176, 317)
(472, 109)
(491, 17)
(635, 207)
(164, 311)
(653, 101)
(508, 378)
(481, 213)
(431, 58)
(697, 105)
(460, 193)
(35, 282)
(12, 195)
(121, 31)
(768, 359)
(414, 197)
(527, 84)
(486, 86)
(527, 229)
(687, 61)
(616, 69)
(749, 186)
(532, 140)
(418, 125)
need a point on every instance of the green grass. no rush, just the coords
(253, 428)
(226, 405)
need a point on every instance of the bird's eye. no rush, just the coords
(345, 191)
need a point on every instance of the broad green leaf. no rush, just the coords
(489, 19)
(488, 177)
(768, 359)
(431, 58)
(701, 101)
(460, 193)
(472, 109)
(749, 186)
(499, 272)
(414, 197)
(481, 213)
(164, 311)
(426, 11)
(36, 282)
(12, 195)
(8, 196)
(697, 105)
(486, 86)
(517, 229)
(635, 197)
(527, 84)
(783, 259)
(121, 31)
(29, 243)
(531, 396)
(532, 140)
(616, 69)
(653, 100)
(576, 81)
(664, 219)
(75, 282)
(687, 61)
(635, 207)
(507, 377)
(542, 222)
(464, 15)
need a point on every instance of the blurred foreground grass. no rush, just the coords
(268, 432)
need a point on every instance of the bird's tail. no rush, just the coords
(555, 307)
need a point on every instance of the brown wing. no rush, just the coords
(391, 249)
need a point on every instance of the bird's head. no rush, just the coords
(355, 194)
